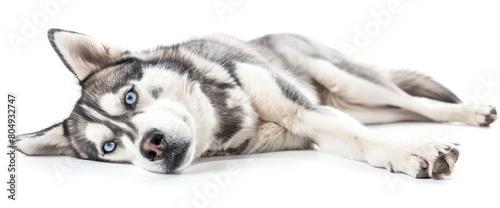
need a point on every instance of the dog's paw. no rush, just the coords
(433, 160)
(479, 115)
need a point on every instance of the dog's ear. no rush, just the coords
(81, 53)
(49, 141)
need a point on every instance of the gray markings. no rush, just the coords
(155, 92)
(292, 93)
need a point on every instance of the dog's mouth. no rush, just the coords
(174, 156)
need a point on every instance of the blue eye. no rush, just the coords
(109, 147)
(131, 98)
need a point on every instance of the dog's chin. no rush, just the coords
(176, 158)
(172, 164)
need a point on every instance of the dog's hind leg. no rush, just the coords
(433, 100)
(368, 114)
(383, 115)
(356, 84)
(416, 99)
(428, 98)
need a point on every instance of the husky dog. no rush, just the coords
(161, 109)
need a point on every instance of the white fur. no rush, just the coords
(98, 133)
(336, 98)
(333, 131)
(112, 104)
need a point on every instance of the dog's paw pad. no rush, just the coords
(480, 115)
(490, 117)
(442, 164)
(423, 172)
(429, 161)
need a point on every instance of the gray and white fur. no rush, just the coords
(162, 109)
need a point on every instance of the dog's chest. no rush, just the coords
(236, 121)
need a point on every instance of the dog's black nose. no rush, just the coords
(153, 145)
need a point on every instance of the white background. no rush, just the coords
(456, 42)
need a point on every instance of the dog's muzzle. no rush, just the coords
(170, 149)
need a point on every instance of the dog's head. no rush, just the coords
(131, 109)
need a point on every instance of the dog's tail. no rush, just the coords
(421, 85)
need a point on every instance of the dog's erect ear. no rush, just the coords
(49, 141)
(81, 53)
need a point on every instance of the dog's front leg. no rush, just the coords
(279, 100)
(337, 133)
